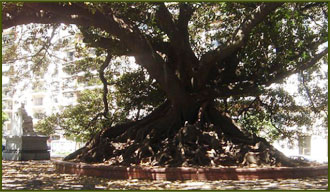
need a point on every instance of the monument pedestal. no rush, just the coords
(26, 147)
(24, 144)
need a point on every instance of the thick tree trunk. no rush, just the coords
(196, 135)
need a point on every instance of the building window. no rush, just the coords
(70, 56)
(69, 95)
(38, 101)
(39, 115)
(7, 91)
(327, 145)
(38, 86)
(8, 39)
(8, 105)
(305, 145)
(55, 137)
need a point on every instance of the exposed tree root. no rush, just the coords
(163, 138)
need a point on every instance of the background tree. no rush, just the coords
(126, 103)
(29, 49)
(212, 61)
(76, 120)
(4, 118)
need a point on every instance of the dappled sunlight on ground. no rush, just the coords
(41, 175)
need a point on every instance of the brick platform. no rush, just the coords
(185, 173)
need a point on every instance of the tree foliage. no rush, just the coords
(75, 120)
(4, 118)
(134, 91)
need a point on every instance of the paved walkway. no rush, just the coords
(19, 175)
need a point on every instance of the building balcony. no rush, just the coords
(38, 107)
(7, 98)
(39, 92)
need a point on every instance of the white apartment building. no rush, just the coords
(311, 147)
(42, 96)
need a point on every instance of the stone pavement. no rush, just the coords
(40, 175)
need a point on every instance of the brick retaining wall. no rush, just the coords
(185, 173)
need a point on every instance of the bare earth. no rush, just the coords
(41, 175)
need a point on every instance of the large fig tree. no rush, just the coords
(204, 57)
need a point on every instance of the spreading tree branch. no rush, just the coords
(105, 113)
(186, 12)
(105, 85)
(134, 40)
(301, 66)
(177, 32)
(250, 88)
(308, 92)
(211, 58)
(45, 47)
(165, 20)
(245, 109)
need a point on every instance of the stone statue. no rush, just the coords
(17, 124)
(23, 143)
(27, 125)
(23, 123)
